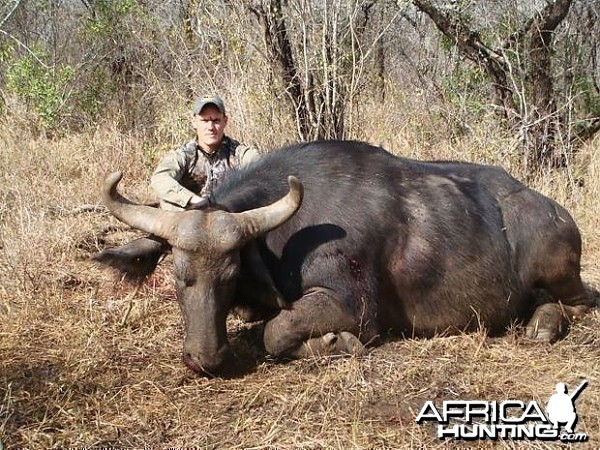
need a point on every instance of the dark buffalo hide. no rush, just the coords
(376, 244)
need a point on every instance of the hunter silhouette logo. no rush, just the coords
(561, 406)
(510, 419)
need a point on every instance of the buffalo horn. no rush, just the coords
(259, 221)
(146, 218)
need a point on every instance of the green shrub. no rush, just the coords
(43, 88)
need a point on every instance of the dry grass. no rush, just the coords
(83, 363)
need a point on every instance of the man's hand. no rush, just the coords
(197, 202)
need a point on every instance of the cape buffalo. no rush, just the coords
(334, 243)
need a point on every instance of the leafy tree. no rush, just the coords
(521, 58)
(43, 87)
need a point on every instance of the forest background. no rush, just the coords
(92, 86)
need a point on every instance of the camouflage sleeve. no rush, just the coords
(247, 154)
(165, 180)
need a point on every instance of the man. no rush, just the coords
(185, 178)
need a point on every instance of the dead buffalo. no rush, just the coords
(364, 244)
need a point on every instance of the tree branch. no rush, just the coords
(11, 12)
(588, 132)
(470, 43)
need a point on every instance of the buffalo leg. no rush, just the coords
(550, 321)
(319, 323)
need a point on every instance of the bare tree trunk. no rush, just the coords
(280, 48)
(312, 45)
(544, 122)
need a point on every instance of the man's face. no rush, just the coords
(210, 126)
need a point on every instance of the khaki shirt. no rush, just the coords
(188, 171)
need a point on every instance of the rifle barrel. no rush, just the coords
(577, 391)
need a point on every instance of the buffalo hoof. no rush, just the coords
(351, 344)
(544, 335)
(343, 343)
(548, 323)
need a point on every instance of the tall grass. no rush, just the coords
(87, 361)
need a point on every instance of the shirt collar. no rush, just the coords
(224, 144)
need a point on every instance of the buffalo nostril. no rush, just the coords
(203, 365)
(189, 362)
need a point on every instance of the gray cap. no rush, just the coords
(204, 101)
